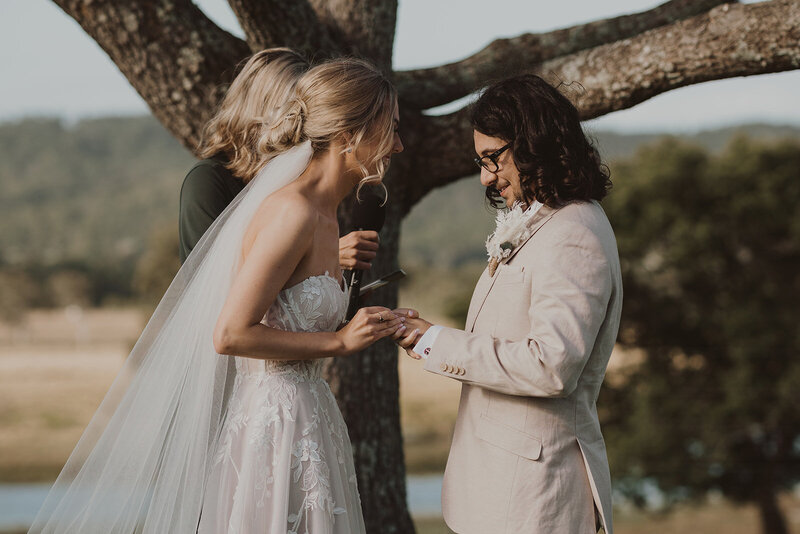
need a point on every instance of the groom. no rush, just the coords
(527, 453)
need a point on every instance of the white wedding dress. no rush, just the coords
(189, 441)
(284, 461)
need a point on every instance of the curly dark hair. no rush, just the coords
(556, 162)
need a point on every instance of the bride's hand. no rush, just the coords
(368, 326)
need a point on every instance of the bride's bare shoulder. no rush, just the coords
(286, 212)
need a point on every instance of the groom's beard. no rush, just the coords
(518, 197)
(493, 193)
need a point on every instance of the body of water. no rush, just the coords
(19, 503)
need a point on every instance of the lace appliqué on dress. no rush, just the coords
(284, 445)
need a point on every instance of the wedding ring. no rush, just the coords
(380, 317)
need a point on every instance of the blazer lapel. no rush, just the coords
(536, 222)
(481, 292)
(483, 289)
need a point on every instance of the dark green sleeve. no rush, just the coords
(203, 198)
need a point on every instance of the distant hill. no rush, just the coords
(94, 191)
(614, 146)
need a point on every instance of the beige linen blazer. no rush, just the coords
(527, 453)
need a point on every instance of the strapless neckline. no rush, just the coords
(325, 275)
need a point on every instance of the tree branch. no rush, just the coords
(731, 40)
(175, 57)
(283, 23)
(427, 88)
(728, 41)
(438, 151)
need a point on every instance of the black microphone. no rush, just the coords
(368, 214)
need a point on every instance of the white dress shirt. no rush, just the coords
(423, 346)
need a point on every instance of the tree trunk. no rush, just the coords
(772, 520)
(366, 386)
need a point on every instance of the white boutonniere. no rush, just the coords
(511, 231)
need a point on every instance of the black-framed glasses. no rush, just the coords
(489, 161)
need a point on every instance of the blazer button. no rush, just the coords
(461, 371)
(443, 367)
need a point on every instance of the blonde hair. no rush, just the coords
(341, 97)
(262, 87)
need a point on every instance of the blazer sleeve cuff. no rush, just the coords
(439, 360)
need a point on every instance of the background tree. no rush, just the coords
(18, 293)
(157, 266)
(70, 287)
(179, 61)
(710, 248)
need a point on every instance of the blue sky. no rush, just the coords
(50, 67)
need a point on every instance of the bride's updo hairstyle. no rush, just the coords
(342, 97)
(262, 87)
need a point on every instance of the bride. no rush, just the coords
(185, 442)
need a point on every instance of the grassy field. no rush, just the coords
(56, 365)
(55, 369)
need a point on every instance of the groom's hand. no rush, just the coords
(413, 320)
(358, 249)
(412, 331)
(406, 339)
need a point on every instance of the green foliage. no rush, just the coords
(70, 287)
(456, 307)
(158, 265)
(448, 228)
(18, 292)
(32, 285)
(78, 204)
(710, 251)
(91, 192)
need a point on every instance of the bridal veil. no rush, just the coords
(142, 463)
